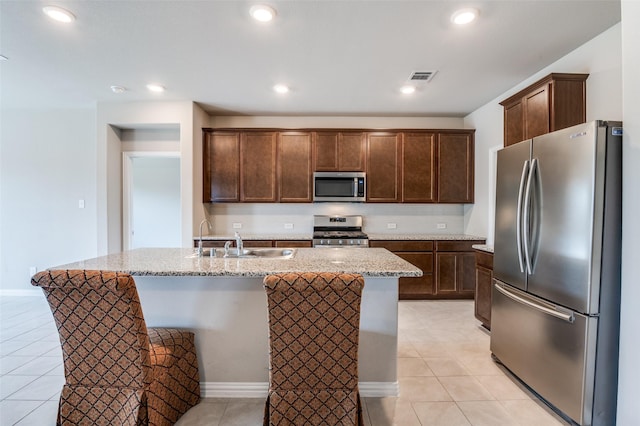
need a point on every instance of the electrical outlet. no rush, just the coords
(32, 270)
(288, 226)
(441, 226)
(237, 225)
(391, 225)
(81, 204)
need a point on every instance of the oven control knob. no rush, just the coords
(351, 242)
(340, 242)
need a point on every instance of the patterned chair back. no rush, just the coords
(314, 325)
(105, 346)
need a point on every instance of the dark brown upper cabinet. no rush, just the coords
(221, 167)
(413, 166)
(258, 152)
(384, 167)
(552, 103)
(339, 152)
(455, 166)
(295, 167)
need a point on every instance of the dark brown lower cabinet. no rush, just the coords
(484, 282)
(448, 268)
(293, 243)
(256, 243)
(245, 243)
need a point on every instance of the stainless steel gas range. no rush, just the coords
(339, 231)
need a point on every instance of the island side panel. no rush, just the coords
(229, 317)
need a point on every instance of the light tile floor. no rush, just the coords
(445, 372)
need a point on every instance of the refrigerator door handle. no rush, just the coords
(526, 216)
(547, 308)
(523, 178)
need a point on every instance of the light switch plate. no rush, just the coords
(237, 225)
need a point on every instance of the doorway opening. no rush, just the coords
(151, 208)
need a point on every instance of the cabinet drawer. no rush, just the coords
(484, 259)
(403, 245)
(457, 245)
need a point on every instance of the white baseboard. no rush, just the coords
(6, 292)
(260, 389)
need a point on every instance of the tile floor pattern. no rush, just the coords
(445, 372)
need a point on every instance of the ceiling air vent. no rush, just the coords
(422, 76)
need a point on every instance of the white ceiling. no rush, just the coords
(345, 57)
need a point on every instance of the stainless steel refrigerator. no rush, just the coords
(556, 293)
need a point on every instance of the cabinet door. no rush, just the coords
(484, 279)
(418, 168)
(455, 167)
(513, 123)
(351, 152)
(325, 154)
(383, 167)
(339, 151)
(294, 166)
(221, 167)
(455, 274)
(258, 167)
(536, 112)
(417, 287)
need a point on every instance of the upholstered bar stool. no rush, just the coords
(117, 372)
(314, 324)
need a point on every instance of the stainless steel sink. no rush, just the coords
(249, 253)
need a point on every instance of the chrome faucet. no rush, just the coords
(209, 226)
(239, 244)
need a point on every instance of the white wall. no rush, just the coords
(601, 58)
(48, 164)
(271, 218)
(629, 377)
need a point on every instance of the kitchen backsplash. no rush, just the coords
(298, 218)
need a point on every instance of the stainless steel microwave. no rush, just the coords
(339, 186)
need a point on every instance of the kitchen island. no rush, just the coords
(222, 300)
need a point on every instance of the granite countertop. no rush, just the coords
(483, 247)
(370, 262)
(372, 236)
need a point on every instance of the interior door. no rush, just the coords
(563, 217)
(511, 173)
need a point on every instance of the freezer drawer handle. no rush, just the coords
(568, 317)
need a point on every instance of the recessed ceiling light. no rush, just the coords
(407, 90)
(118, 89)
(280, 88)
(464, 16)
(155, 88)
(59, 14)
(262, 12)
